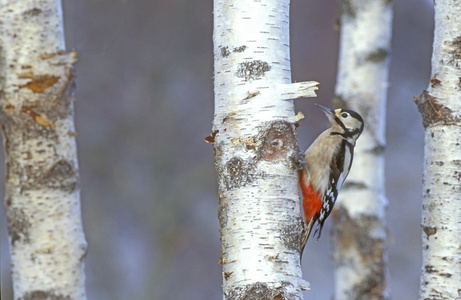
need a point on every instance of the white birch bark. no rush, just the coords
(359, 232)
(440, 107)
(42, 199)
(256, 152)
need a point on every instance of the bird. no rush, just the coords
(328, 162)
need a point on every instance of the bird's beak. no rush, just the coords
(329, 112)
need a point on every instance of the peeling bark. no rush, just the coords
(256, 151)
(42, 199)
(440, 108)
(359, 235)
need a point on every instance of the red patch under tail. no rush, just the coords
(312, 201)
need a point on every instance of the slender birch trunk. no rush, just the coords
(256, 151)
(440, 107)
(359, 232)
(42, 199)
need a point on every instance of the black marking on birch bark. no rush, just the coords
(352, 230)
(457, 176)
(455, 52)
(37, 118)
(371, 287)
(378, 55)
(433, 112)
(378, 149)
(290, 237)
(429, 231)
(227, 275)
(278, 143)
(430, 269)
(222, 214)
(259, 291)
(251, 95)
(211, 138)
(59, 99)
(238, 173)
(61, 175)
(23, 122)
(350, 184)
(347, 8)
(18, 225)
(57, 96)
(435, 81)
(240, 49)
(429, 207)
(32, 12)
(352, 234)
(225, 52)
(84, 249)
(252, 69)
(229, 117)
(44, 295)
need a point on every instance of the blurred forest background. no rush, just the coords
(144, 103)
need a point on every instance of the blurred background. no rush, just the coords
(145, 103)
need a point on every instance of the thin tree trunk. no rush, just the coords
(42, 199)
(359, 232)
(440, 107)
(256, 151)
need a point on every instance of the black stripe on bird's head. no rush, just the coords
(348, 120)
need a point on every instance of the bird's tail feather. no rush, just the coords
(306, 232)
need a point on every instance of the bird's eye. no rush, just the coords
(344, 115)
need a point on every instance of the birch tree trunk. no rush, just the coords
(256, 151)
(440, 107)
(359, 231)
(42, 199)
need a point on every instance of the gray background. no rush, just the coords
(144, 105)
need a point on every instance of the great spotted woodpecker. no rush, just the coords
(328, 162)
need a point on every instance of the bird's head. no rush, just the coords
(345, 121)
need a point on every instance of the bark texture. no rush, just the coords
(359, 236)
(256, 151)
(42, 199)
(440, 107)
